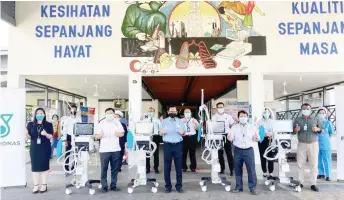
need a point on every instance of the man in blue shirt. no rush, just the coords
(172, 129)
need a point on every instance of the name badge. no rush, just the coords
(38, 140)
(305, 127)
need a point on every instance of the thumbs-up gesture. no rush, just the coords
(256, 137)
(44, 133)
(297, 128)
(315, 128)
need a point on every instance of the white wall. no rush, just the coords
(283, 51)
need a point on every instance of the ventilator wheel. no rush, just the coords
(130, 190)
(297, 189)
(156, 184)
(77, 186)
(267, 182)
(223, 184)
(91, 191)
(154, 190)
(204, 188)
(99, 186)
(152, 71)
(228, 188)
(68, 191)
(272, 188)
(143, 71)
(201, 183)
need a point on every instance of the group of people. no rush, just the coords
(180, 139)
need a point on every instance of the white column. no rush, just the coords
(15, 80)
(94, 103)
(339, 95)
(135, 98)
(256, 96)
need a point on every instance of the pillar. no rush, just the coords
(135, 98)
(256, 100)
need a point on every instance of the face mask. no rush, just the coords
(116, 119)
(150, 115)
(321, 116)
(109, 117)
(172, 115)
(243, 120)
(39, 117)
(155, 6)
(266, 115)
(187, 115)
(306, 112)
(221, 110)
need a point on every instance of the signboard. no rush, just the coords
(12, 137)
(233, 108)
(87, 114)
(339, 94)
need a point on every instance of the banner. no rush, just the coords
(91, 114)
(84, 114)
(339, 94)
(12, 137)
(234, 107)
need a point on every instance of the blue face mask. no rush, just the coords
(149, 115)
(266, 115)
(188, 115)
(39, 117)
(321, 116)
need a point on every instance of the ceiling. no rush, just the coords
(307, 82)
(109, 86)
(187, 89)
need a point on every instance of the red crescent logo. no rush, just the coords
(132, 66)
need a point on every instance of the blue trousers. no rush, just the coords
(325, 162)
(246, 156)
(115, 163)
(173, 151)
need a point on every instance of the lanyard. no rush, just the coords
(187, 123)
(39, 129)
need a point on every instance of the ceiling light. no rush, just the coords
(118, 104)
(96, 93)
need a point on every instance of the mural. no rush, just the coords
(190, 34)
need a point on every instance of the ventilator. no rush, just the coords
(214, 141)
(83, 144)
(139, 148)
(278, 150)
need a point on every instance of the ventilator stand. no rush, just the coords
(215, 167)
(137, 157)
(283, 166)
(84, 143)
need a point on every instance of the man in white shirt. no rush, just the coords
(157, 139)
(68, 134)
(221, 116)
(244, 135)
(190, 140)
(109, 131)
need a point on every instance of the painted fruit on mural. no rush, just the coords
(184, 34)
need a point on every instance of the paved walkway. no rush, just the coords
(329, 190)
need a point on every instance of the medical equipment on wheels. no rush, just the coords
(83, 143)
(137, 154)
(214, 141)
(278, 150)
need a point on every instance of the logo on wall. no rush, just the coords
(5, 128)
(190, 34)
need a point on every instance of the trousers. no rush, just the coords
(262, 147)
(115, 162)
(189, 146)
(228, 149)
(246, 156)
(307, 151)
(156, 140)
(173, 151)
(325, 162)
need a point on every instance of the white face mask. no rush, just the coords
(243, 120)
(109, 117)
(306, 112)
(116, 119)
(221, 110)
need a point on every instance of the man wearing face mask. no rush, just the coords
(244, 136)
(172, 130)
(221, 116)
(109, 132)
(190, 140)
(306, 128)
(122, 140)
(68, 134)
(157, 139)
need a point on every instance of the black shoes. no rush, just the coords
(193, 171)
(231, 174)
(104, 190)
(168, 191)
(222, 171)
(237, 190)
(254, 192)
(328, 179)
(314, 188)
(321, 177)
(180, 190)
(115, 189)
(184, 170)
(157, 171)
(147, 171)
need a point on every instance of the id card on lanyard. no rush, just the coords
(39, 129)
(188, 126)
(243, 142)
